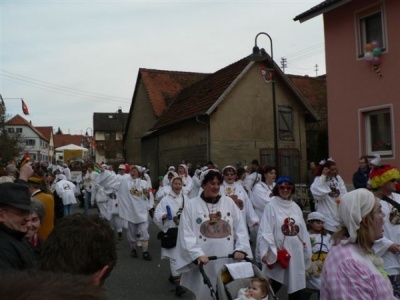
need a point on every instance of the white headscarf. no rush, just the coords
(354, 206)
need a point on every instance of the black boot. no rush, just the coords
(179, 290)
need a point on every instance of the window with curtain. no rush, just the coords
(379, 132)
(370, 25)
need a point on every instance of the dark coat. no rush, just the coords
(360, 178)
(15, 252)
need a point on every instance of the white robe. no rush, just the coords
(248, 212)
(271, 238)
(261, 195)
(133, 203)
(175, 202)
(326, 204)
(187, 184)
(391, 234)
(196, 239)
(66, 190)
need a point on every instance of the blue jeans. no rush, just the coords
(67, 209)
(88, 195)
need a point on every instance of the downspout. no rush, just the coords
(207, 135)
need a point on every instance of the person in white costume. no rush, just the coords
(146, 176)
(284, 242)
(167, 215)
(88, 182)
(211, 224)
(135, 201)
(327, 189)
(165, 187)
(321, 244)
(236, 192)
(187, 180)
(384, 178)
(262, 194)
(66, 191)
(253, 177)
(108, 207)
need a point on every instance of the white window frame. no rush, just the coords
(361, 31)
(364, 124)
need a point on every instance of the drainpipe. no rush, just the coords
(207, 135)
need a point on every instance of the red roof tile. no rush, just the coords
(45, 131)
(313, 90)
(17, 120)
(201, 95)
(162, 86)
(66, 139)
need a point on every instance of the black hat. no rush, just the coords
(15, 195)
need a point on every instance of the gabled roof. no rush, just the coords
(204, 96)
(66, 139)
(314, 90)
(110, 122)
(17, 120)
(200, 96)
(162, 86)
(46, 131)
(321, 8)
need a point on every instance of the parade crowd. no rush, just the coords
(346, 247)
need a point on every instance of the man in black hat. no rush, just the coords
(15, 218)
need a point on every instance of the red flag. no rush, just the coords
(24, 108)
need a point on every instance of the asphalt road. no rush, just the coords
(135, 278)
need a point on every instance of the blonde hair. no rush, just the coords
(365, 234)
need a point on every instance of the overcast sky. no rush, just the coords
(69, 59)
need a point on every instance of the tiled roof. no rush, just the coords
(110, 122)
(314, 91)
(17, 120)
(201, 95)
(45, 131)
(66, 139)
(162, 86)
(318, 9)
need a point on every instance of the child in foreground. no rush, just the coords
(258, 290)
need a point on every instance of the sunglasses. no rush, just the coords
(286, 187)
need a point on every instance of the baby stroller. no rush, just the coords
(227, 286)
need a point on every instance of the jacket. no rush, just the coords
(15, 252)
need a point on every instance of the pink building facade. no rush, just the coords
(363, 90)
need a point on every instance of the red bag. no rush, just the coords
(283, 258)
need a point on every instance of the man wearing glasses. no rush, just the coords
(15, 218)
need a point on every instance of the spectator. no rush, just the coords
(32, 236)
(47, 222)
(81, 245)
(15, 207)
(361, 176)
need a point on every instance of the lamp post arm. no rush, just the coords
(270, 40)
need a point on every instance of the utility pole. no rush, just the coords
(316, 70)
(283, 64)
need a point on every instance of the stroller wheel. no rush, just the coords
(179, 290)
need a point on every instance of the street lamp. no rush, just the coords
(90, 143)
(261, 55)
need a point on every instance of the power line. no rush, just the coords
(66, 92)
(57, 87)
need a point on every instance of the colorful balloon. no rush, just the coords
(368, 47)
(368, 56)
(376, 61)
(377, 51)
(375, 44)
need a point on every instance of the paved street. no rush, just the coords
(135, 278)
